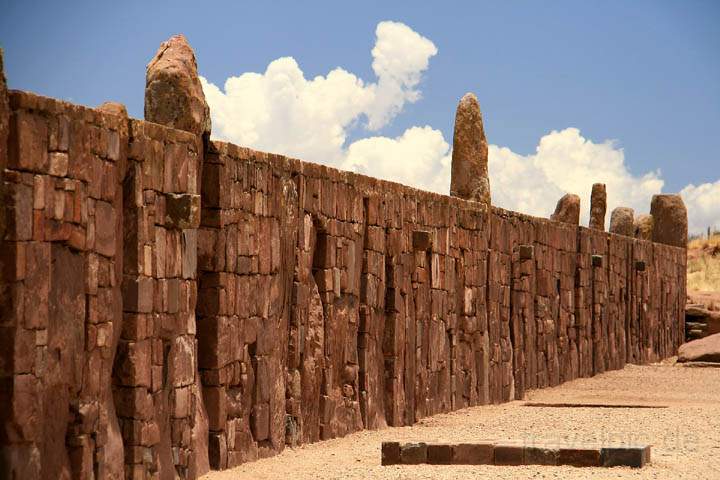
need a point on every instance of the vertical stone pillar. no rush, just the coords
(598, 206)
(643, 227)
(4, 130)
(567, 209)
(158, 388)
(621, 221)
(469, 177)
(670, 220)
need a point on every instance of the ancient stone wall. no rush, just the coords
(166, 302)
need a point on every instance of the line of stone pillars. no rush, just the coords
(667, 222)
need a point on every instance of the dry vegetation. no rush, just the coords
(704, 264)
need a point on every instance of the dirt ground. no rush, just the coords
(685, 436)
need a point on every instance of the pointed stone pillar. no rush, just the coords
(469, 177)
(598, 206)
(567, 209)
(173, 94)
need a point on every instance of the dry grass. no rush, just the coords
(704, 264)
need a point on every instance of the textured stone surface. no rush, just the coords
(643, 226)
(567, 209)
(622, 221)
(116, 108)
(598, 206)
(702, 350)
(670, 221)
(173, 94)
(300, 309)
(469, 177)
(4, 120)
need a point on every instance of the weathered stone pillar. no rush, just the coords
(567, 209)
(173, 93)
(670, 220)
(643, 226)
(621, 221)
(158, 387)
(598, 206)
(469, 176)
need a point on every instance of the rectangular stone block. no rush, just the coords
(542, 456)
(580, 457)
(631, 456)
(473, 454)
(439, 454)
(390, 453)
(509, 454)
(413, 453)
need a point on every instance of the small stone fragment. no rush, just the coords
(567, 209)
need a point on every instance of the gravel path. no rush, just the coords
(685, 437)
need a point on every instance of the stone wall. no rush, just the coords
(167, 302)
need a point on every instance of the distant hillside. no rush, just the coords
(704, 264)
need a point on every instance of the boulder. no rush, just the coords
(621, 221)
(469, 176)
(567, 209)
(703, 350)
(670, 220)
(598, 206)
(643, 226)
(173, 94)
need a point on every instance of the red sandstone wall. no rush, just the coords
(143, 277)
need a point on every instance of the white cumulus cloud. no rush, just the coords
(703, 204)
(281, 111)
(564, 161)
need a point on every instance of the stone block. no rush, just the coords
(413, 453)
(390, 453)
(541, 455)
(631, 456)
(509, 454)
(28, 142)
(439, 454)
(182, 211)
(422, 240)
(473, 454)
(579, 457)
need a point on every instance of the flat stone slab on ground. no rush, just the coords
(508, 453)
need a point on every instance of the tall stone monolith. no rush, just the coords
(4, 130)
(567, 209)
(174, 97)
(598, 206)
(173, 94)
(469, 177)
(670, 220)
(643, 226)
(621, 221)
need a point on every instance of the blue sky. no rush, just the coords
(645, 74)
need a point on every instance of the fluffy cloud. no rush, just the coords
(565, 161)
(703, 204)
(282, 111)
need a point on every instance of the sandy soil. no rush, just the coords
(685, 437)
